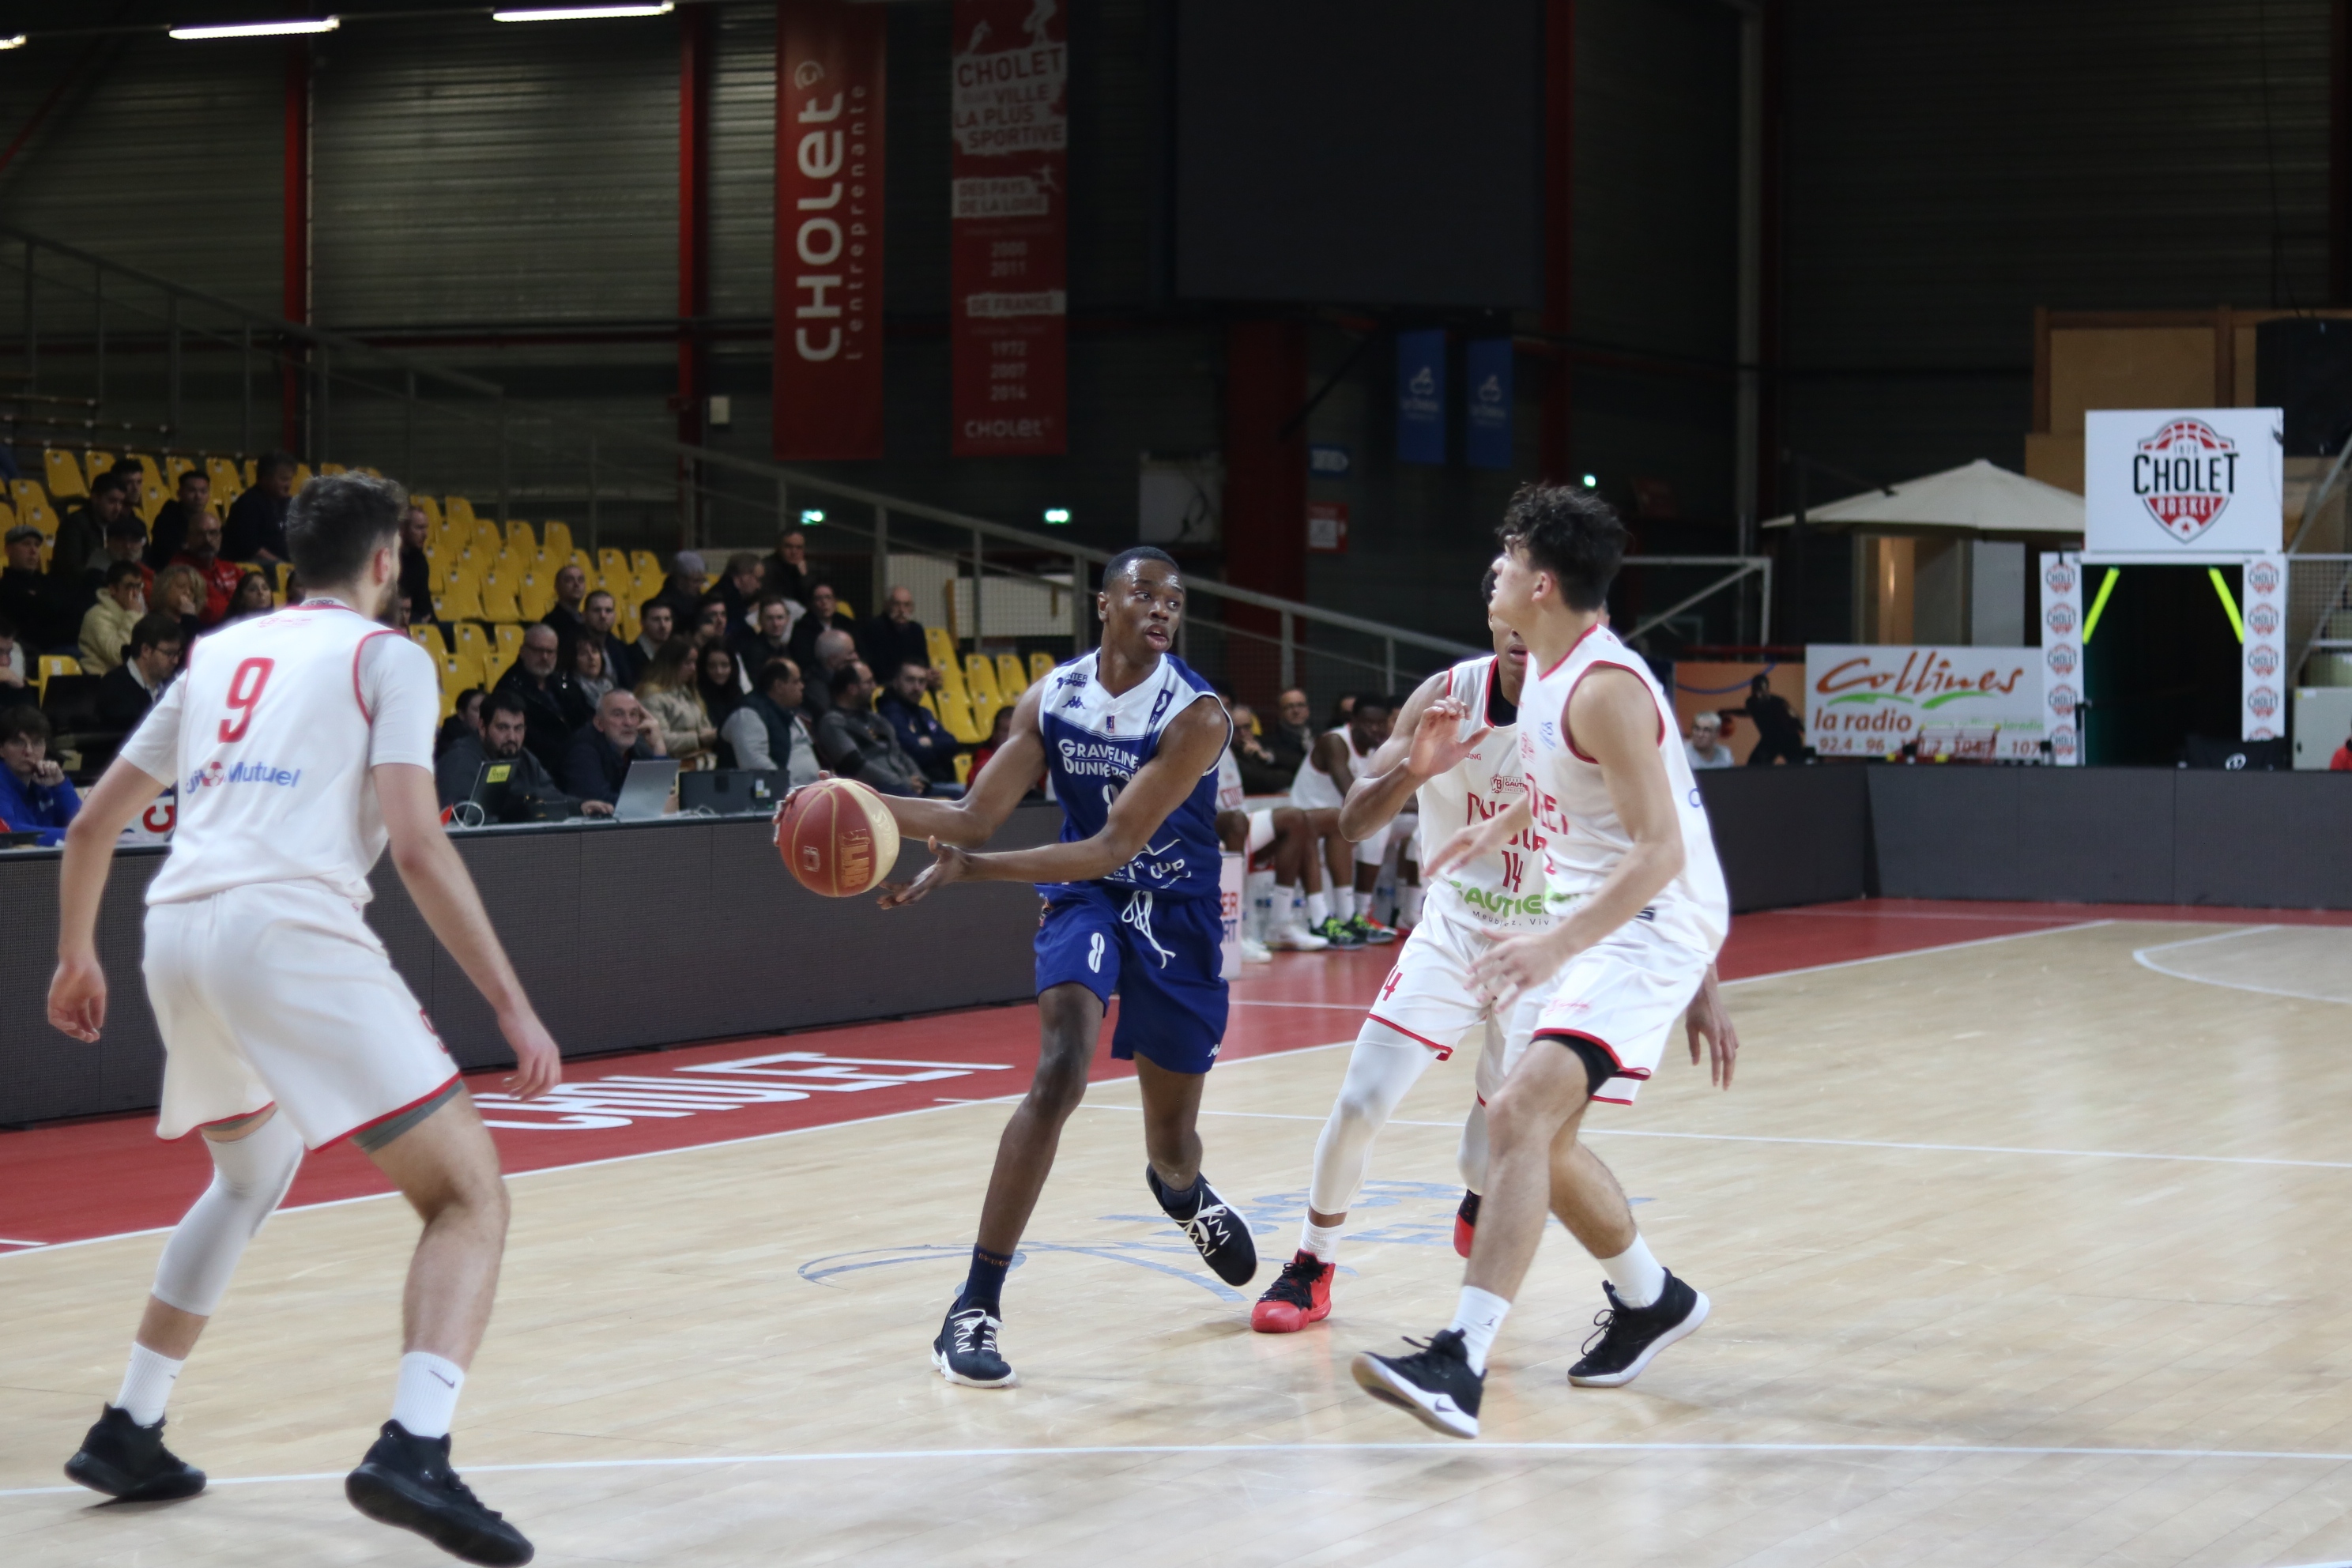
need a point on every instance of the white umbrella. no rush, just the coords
(1978, 496)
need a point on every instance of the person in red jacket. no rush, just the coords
(2341, 763)
(202, 555)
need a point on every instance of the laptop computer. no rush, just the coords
(734, 791)
(646, 789)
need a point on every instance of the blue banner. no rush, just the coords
(1420, 397)
(1486, 410)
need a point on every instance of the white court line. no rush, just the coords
(1195, 1450)
(1918, 952)
(2141, 956)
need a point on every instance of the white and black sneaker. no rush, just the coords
(1434, 1383)
(1217, 1230)
(1631, 1337)
(966, 1350)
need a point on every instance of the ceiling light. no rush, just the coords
(259, 29)
(580, 13)
(1057, 515)
(16, 43)
(1592, 481)
(811, 516)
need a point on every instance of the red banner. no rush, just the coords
(1010, 222)
(830, 57)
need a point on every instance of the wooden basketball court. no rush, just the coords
(2025, 1250)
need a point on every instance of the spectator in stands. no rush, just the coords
(598, 762)
(1293, 736)
(126, 540)
(171, 534)
(532, 794)
(739, 589)
(895, 637)
(131, 688)
(769, 732)
(218, 575)
(655, 626)
(565, 614)
(255, 530)
(822, 617)
(1779, 735)
(27, 597)
(465, 719)
(549, 710)
(254, 597)
(106, 626)
(415, 568)
(834, 650)
(598, 612)
(180, 594)
(82, 536)
(711, 621)
(920, 735)
(1000, 730)
(589, 680)
(715, 683)
(858, 743)
(1705, 743)
(12, 658)
(36, 796)
(666, 691)
(2341, 763)
(1261, 769)
(682, 590)
(786, 571)
(771, 636)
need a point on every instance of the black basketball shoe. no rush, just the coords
(1220, 1232)
(1630, 1337)
(405, 1480)
(1434, 1383)
(128, 1462)
(966, 1351)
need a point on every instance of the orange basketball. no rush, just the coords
(837, 837)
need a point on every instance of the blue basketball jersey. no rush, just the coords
(1095, 742)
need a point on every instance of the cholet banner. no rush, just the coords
(2181, 481)
(1981, 704)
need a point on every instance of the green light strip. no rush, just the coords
(2237, 623)
(2106, 586)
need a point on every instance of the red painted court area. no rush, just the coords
(106, 1177)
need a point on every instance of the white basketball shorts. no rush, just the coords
(1261, 832)
(279, 993)
(1626, 994)
(1428, 995)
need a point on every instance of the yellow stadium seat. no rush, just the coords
(430, 508)
(428, 637)
(956, 714)
(64, 472)
(251, 472)
(152, 493)
(1041, 665)
(508, 645)
(326, 469)
(226, 482)
(461, 601)
(644, 563)
(555, 539)
(1009, 681)
(302, 476)
(95, 462)
(460, 672)
(498, 599)
(494, 668)
(173, 467)
(984, 718)
(939, 646)
(521, 540)
(980, 681)
(285, 570)
(963, 767)
(56, 664)
(613, 570)
(33, 506)
(7, 517)
(473, 642)
(460, 511)
(951, 682)
(536, 597)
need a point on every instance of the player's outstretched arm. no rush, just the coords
(78, 990)
(1707, 1020)
(1424, 741)
(437, 879)
(1189, 749)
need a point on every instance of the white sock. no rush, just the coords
(1322, 1241)
(427, 1399)
(147, 1384)
(1284, 913)
(1318, 909)
(1409, 905)
(1479, 1317)
(1639, 1277)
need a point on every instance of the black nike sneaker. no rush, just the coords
(128, 1462)
(1434, 1384)
(405, 1481)
(1220, 1232)
(966, 1351)
(1630, 1337)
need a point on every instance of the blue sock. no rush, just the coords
(984, 1286)
(1181, 1207)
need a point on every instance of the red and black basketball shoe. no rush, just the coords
(1465, 1223)
(1300, 1295)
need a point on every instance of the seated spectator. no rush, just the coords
(920, 735)
(598, 761)
(566, 613)
(35, 794)
(1293, 735)
(532, 794)
(254, 598)
(821, 618)
(255, 530)
(415, 568)
(27, 597)
(770, 637)
(589, 681)
(149, 661)
(2341, 763)
(710, 622)
(655, 626)
(834, 651)
(1706, 745)
(1261, 771)
(715, 683)
(599, 611)
(682, 590)
(106, 626)
(180, 594)
(769, 732)
(13, 669)
(82, 536)
(786, 571)
(738, 590)
(126, 540)
(171, 534)
(219, 575)
(666, 691)
(895, 637)
(465, 720)
(549, 708)
(858, 743)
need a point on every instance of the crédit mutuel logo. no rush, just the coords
(214, 774)
(2186, 475)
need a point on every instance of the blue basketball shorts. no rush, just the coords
(1162, 955)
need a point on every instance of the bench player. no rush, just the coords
(301, 742)
(1320, 789)
(1610, 792)
(1132, 904)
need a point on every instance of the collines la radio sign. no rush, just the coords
(2186, 475)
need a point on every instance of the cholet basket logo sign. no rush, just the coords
(2189, 482)
(2186, 475)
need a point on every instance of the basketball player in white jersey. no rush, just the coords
(301, 744)
(1626, 845)
(1456, 753)
(1321, 788)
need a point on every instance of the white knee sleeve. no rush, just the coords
(250, 1175)
(1383, 1066)
(1471, 1157)
(1496, 1055)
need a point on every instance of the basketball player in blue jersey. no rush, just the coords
(1132, 739)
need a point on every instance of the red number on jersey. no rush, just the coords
(245, 689)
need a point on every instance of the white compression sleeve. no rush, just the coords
(250, 1174)
(1382, 1067)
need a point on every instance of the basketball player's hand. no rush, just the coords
(949, 864)
(77, 997)
(1470, 842)
(1516, 965)
(1438, 744)
(1708, 1021)
(539, 1066)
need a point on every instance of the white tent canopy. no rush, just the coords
(1979, 496)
